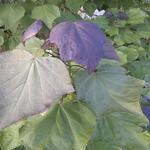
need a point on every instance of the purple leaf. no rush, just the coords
(80, 41)
(146, 111)
(109, 51)
(32, 30)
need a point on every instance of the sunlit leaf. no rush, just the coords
(29, 85)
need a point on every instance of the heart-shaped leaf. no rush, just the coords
(47, 13)
(81, 41)
(28, 85)
(66, 126)
(114, 97)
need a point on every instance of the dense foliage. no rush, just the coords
(74, 75)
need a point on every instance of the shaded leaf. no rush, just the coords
(68, 125)
(1, 40)
(82, 42)
(28, 85)
(119, 131)
(101, 21)
(114, 97)
(74, 5)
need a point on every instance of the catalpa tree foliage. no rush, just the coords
(67, 82)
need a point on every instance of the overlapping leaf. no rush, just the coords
(66, 126)
(115, 99)
(33, 45)
(28, 85)
(83, 42)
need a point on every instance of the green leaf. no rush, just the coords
(118, 40)
(114, 97)
(131, 52)
(100, 90)
(111, 31)
(127, 36)
(47, 13)
(9, 138)
(136, 16)
(143, 31)
(11, 14)
(67, 16)
(90, 8)
(101, 21)
(1, 40)
(74, 5)
(139, 69)
(54, 2)
(33, 46)
(13, 41)
(29, 85)
(122, 57)
(119, 131)
(65, 126)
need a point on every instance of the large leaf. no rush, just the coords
(47, 13)
(102, 87)
(11, 14)
(28, 85)
(66, 126)
(115, 99)
(83, 42)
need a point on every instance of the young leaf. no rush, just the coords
(47, 13)
(81, 41)
(66, 126)
(32, 30)
(29, 85)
